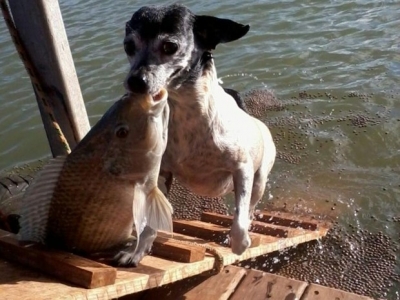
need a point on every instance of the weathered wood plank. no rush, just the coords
(152, 272)
(289, 220)
(268, 244)
(46, 43)
(63, 265)
(211, 232)
(174, 290)
(256, 226)
(21, 283)
(175, 250)
(218, 287)
(319, 292)
(215, 287)
(258, 285)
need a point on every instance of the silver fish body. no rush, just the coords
(90, 200)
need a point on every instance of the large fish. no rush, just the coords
(89, 201)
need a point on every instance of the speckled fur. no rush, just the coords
(213, 146)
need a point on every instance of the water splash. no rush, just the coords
(248, 75)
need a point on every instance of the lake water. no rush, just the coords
(334, 64)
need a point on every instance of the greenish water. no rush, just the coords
(345, 54)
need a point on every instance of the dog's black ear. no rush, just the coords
(210, 31)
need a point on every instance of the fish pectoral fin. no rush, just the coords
(139, 212)
(159, 214)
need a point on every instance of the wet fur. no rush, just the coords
(213, 147)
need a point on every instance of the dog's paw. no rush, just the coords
(127, 259)
(240, 240)
(238, 247)
(131, 256)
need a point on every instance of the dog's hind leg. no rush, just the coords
(132, 255)
(261, 175)
(259, 183)
(243, 182)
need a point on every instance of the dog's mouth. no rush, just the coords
(174, 74)
(160, 95)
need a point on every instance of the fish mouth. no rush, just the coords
(160, 95)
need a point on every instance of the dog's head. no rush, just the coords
(165, 45)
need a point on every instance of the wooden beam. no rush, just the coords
(286, 219)
(256, 226)
(66, 266)
(41, 28)
(177, 250)
(210, 232)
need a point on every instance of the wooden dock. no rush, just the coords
(236, 283)
(59, 275)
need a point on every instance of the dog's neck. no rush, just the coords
(198, 94)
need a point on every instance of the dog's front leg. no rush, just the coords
(243, 182)
(131, 256)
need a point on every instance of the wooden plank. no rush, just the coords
(215, 287)
(256, 226)
(152, 271)
(211, 232)
(65, 266)
(289, 220)
(174, 290)
(258, 285)
(319, 292)
(268, 244)
(218, 287)
(20, 283)
(177, 251)
(47, 47)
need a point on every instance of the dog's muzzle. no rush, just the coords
(137, 83)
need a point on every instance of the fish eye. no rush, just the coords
(130, 48)
(121, 131)
(169, 48)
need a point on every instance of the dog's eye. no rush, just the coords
(121, 131)
(169, 48)
(129, 48)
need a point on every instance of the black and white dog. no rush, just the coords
(214, 146)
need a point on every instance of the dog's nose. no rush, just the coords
(138, 84)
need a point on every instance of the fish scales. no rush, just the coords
(90, 200)
(101, 202)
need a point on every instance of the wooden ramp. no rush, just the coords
(182, 256)
(236, 283)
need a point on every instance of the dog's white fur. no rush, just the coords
(215, 147)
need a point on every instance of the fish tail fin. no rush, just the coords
(36, 202)
(159, 214)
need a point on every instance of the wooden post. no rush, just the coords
(41, 28)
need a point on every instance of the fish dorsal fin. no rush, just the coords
(159, 213)
(37, 200)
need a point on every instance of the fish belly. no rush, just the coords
(90, 213)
